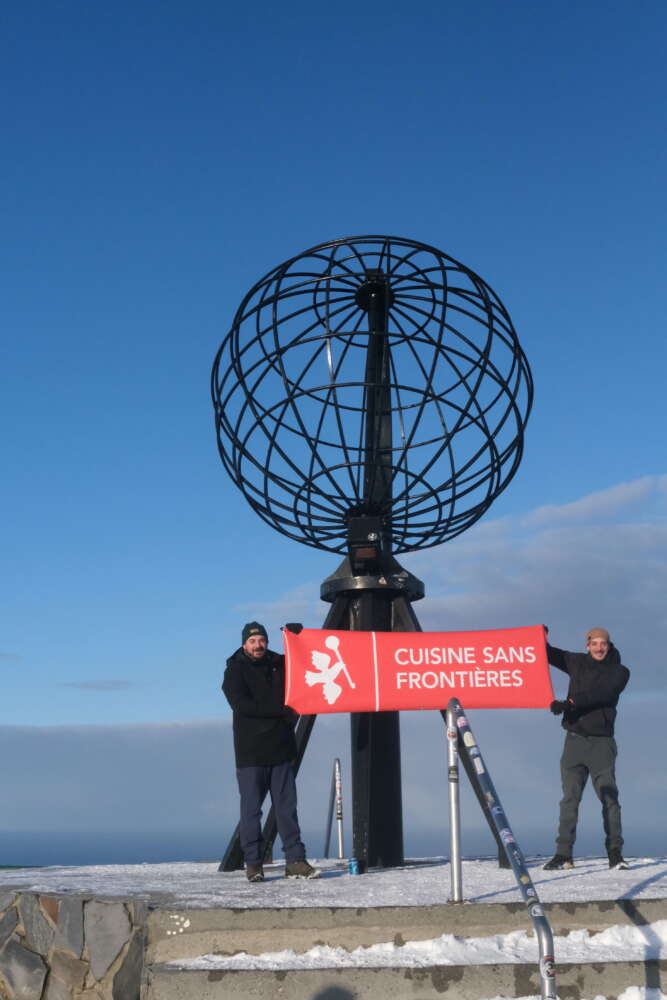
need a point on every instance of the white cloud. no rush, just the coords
(604, 503)
(568, 574)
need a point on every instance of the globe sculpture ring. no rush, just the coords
(292, 387)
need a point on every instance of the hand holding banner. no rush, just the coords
(334, 671)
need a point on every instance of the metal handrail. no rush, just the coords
(460, 735)
(336, 797)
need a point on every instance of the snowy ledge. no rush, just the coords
(199, 885)
(616, 944)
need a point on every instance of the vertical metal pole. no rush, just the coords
(335, 798)
(377, 820)
(327, 835)
(338, 781)
(454, 804)
(375, 298)
(377, 807)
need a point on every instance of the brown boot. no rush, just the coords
(301, 869)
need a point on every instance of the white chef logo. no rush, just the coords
(326, 672)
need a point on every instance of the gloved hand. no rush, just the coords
(295, 627)
(557, 707)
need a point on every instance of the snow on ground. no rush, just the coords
(418, 883)
(615, 944)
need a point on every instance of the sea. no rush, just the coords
(31, 848)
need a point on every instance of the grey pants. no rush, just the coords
(584, 755)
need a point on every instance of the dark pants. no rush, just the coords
(254, 783)
(584, 755)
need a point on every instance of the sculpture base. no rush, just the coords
(390, 579)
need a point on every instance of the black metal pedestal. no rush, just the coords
(380, 603)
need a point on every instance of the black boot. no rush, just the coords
(559, 861)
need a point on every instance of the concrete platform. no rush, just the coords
(131, 932)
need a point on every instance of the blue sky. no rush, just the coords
(159, 159)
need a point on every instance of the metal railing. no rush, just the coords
(460, 738)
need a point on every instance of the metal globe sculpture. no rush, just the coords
(371, 376)
(370, 399)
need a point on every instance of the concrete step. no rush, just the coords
(469, 982)
(174, 933)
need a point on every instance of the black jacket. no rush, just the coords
(594, 690)
(263, 726)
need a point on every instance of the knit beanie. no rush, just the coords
(597, 633)
(253, 628)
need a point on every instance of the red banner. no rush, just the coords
(330, 671)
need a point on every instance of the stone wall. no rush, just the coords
(70, 947)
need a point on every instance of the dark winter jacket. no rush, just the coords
(263, 726)
(593, 692)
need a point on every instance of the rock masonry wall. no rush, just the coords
(70, 947)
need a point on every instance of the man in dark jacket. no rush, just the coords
(597, 679)
(264, 747)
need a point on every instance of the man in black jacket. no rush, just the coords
(597, 679)
(265, 748)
